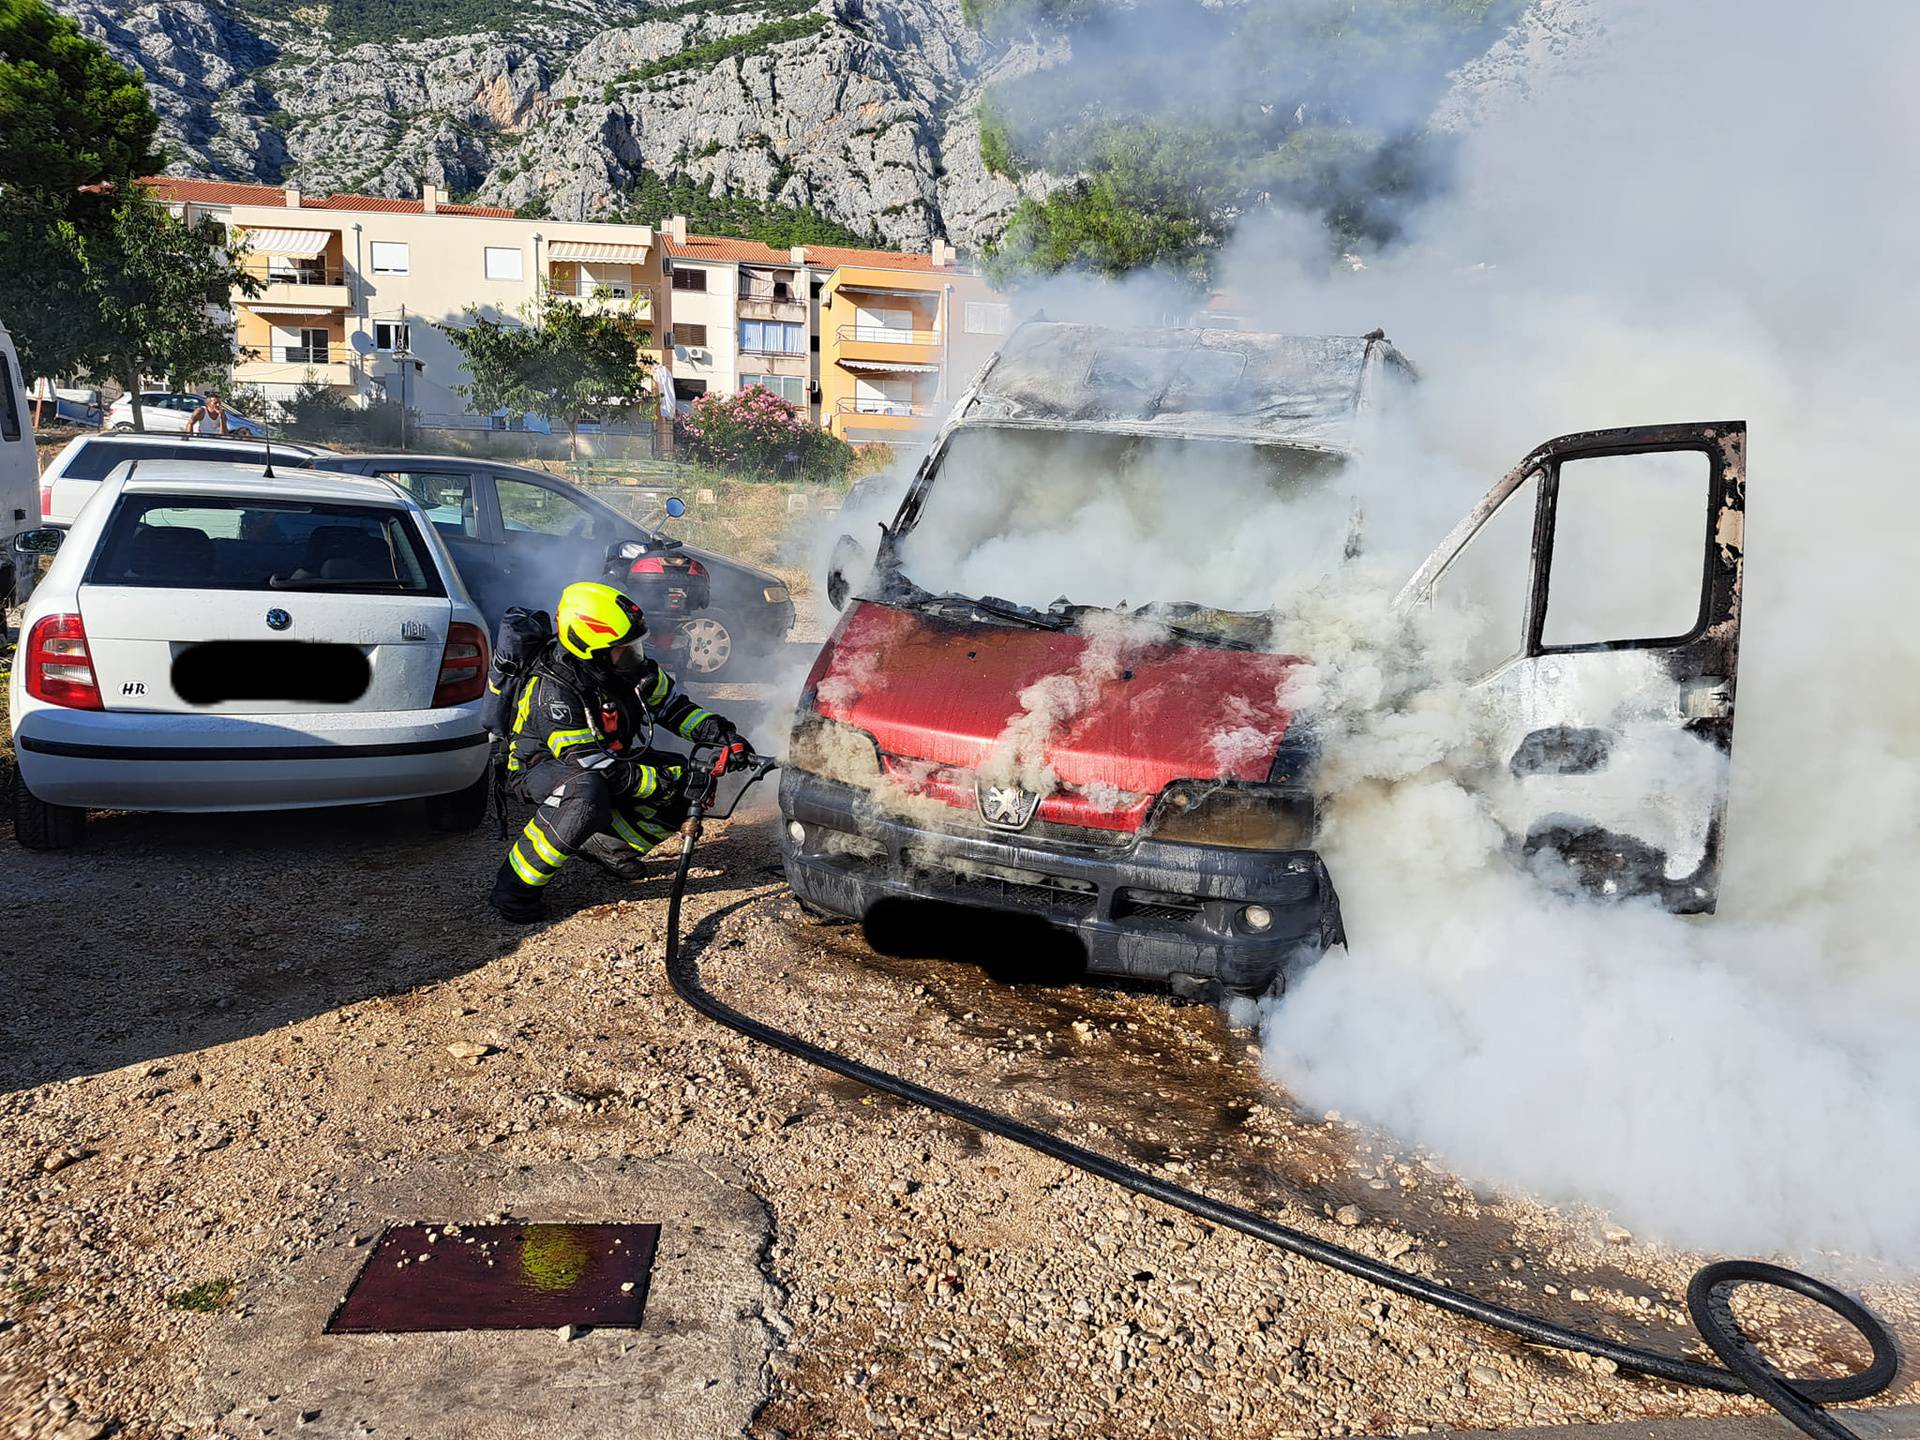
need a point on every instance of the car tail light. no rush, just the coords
(46, 501)
(59, 669)
(463, 666)
(655, 565)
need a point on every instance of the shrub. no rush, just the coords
(748, 42)
(205, 1298)
(760, 435)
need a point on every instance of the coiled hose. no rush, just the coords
(1708, 1294)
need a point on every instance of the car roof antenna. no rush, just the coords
(267, 474)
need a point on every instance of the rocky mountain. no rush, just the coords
(864, 110)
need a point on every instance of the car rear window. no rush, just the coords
(186, 542)
(92, 461)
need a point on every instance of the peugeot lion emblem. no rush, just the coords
(1006, 807)
(278, 619)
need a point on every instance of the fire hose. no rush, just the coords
(1709, 1293)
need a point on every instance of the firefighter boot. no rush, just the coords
(616, 857)
(515, 900)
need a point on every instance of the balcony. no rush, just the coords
(862, 419)
(763, 308)
(868, 405)
(311, 287)
(876, 346)
(637, 303)
(333, 364)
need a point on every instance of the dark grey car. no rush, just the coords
(519, 536)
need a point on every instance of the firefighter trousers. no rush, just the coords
(571, 805)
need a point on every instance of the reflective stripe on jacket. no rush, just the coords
(586, 715)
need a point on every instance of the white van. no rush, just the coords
(19, 470)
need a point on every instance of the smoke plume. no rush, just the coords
(1699, 220)
(1692, 213)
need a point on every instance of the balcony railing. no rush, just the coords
(316, 355)
(866, 405)
(887, 335)
(617, 296)
(761, 307)
(310, 354)
(296, 273)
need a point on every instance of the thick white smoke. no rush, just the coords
(1705, 218)
(1699, 212)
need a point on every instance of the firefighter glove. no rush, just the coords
(715, 730)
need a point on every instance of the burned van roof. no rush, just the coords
(1219, 384)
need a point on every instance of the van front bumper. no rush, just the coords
(1144, 909)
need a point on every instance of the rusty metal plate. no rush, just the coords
(499, 1277)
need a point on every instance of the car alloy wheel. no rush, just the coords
(709, 644)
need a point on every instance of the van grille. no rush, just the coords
(1004, 885)
(1132, 904)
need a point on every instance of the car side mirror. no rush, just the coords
(43, 541)
(848, 556)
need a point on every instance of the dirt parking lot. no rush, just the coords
(224, 1050)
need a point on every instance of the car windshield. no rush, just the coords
(191, 542)
(1201, 533)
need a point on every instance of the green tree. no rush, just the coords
(76, 130)
(652, 199)
(159, 290)
(565, 361)
(71, 117)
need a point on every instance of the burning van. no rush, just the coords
(1054, 690)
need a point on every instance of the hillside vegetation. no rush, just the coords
(1181, 118)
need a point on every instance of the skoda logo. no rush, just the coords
(278, 619)
(1006, 807)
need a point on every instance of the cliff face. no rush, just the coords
(865, 110)
(862, 110)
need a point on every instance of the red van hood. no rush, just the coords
(1126, 719)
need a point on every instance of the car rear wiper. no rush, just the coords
(318, 582)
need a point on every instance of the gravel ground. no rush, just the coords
(217, 1028)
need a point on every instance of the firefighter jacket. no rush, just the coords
(592, 717)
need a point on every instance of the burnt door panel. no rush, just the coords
(1609, 679)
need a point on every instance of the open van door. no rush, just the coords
(1607, 566)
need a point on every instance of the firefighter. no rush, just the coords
(578, 749)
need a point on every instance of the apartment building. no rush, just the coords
(876, 369)
(354, 285)
(899, 343)
(871, 342)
